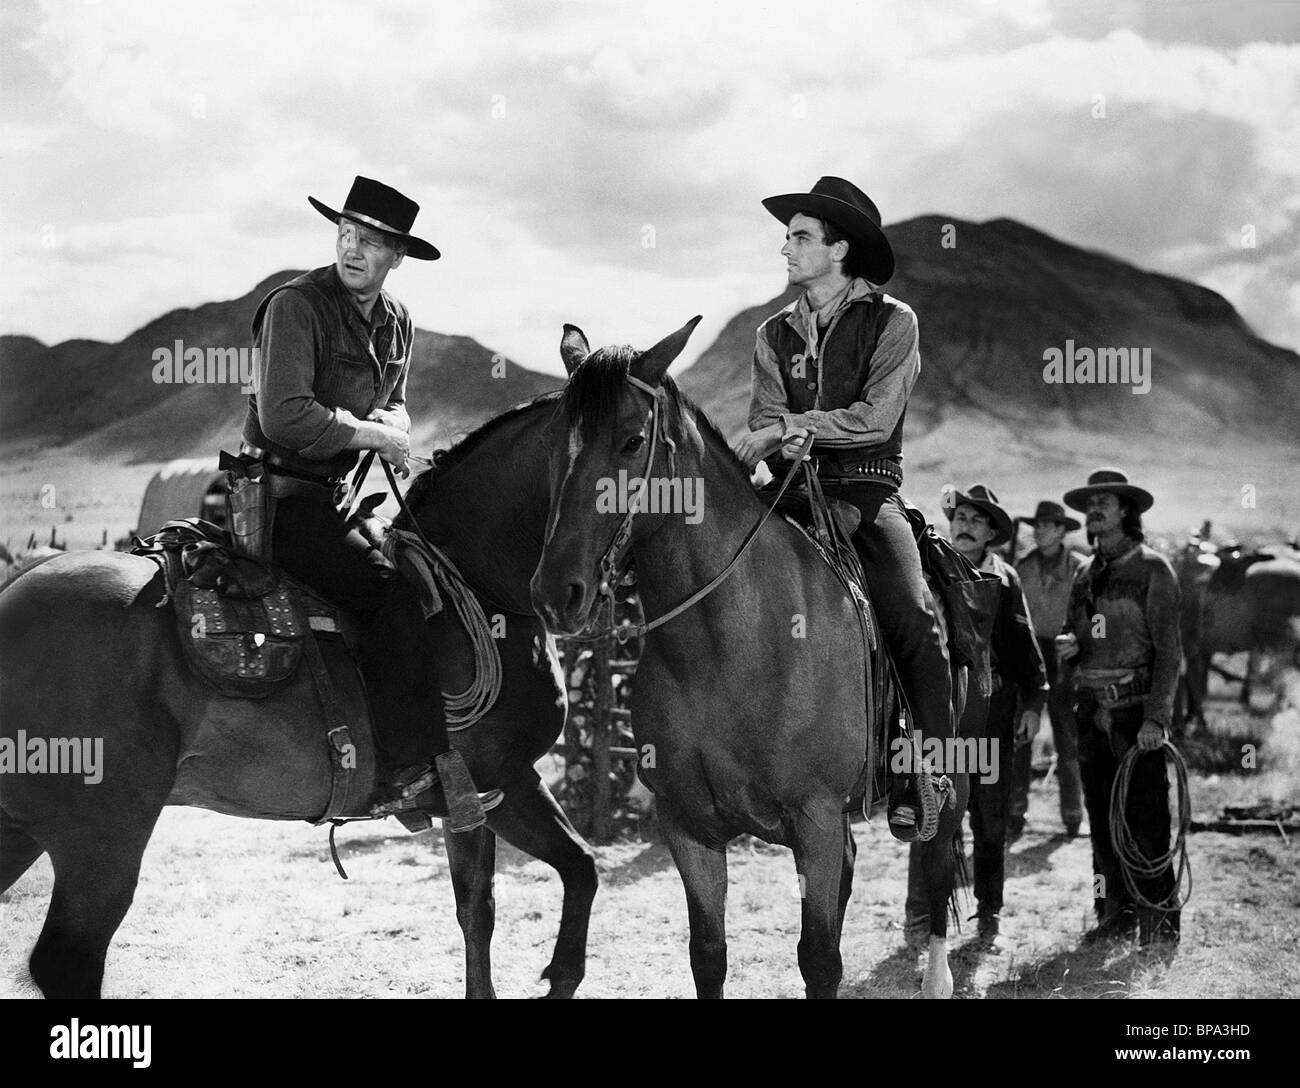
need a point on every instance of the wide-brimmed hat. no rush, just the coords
(850, 209)
(374, 204)
(980, 497)
(1114, 481)
(1054, 511)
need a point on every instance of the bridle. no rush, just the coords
(614, 561)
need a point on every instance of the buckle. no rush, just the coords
(1111, 691)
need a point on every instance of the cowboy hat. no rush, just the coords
(1114, 481)
(984, 500)
(1054, 511)
(374, 204)
(850, 209)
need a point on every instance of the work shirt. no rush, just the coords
(1046, 584)
(321, 368)
(1015, 656)
(1124, 611)
(847, 381)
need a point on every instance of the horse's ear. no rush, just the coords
(573, 348)
(651, 366)
(369, 503)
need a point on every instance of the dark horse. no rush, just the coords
(84, 652)
(749, 706)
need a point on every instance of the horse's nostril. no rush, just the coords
(576, 592)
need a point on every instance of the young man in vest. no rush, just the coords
(1046, 575)
(333, 354)
(840, 362)
(1122, 632)
(977, 525)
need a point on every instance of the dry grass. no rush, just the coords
(236, 908)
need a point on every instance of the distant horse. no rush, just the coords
(1233, 601)
(750, 707)
(84, 653)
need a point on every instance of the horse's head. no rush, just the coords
(620, 429)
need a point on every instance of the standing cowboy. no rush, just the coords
(840, 362)
(977, 525)
(1122, 624)
(333, 352)
(1046, 574)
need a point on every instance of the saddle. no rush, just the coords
(966, 602)
(243, 624)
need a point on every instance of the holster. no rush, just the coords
(250, 506)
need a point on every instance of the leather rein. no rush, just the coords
(615, 560)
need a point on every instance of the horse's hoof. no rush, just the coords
(936, 984)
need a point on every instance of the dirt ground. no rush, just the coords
(237, 908)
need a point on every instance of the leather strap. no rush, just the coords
(338, 736)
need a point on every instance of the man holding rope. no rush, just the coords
(1122, 627)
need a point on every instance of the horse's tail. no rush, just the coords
(18, 851)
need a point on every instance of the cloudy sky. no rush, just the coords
(603, 163)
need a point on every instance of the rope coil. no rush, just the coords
(466, 707)
(1134, 864)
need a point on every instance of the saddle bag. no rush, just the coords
(241, 628)
(970, 596)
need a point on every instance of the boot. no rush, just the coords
(1115, 923)
(915, 815)
(1157, 928)
(418, 792)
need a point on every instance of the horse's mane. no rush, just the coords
(591, 397)
(445, 460)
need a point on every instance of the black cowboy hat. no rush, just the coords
(983, 499)
(374, 204)
(1114, 481)
(850, 209)
(1054, 511)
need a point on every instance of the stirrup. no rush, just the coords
(936, 793)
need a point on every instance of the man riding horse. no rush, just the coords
(334, 350)
(840, 362)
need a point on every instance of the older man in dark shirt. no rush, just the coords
(334, 350)
(978, 524)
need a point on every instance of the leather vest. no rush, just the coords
(847, 346)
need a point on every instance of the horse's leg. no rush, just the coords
(819, 855)
(846, 870)
(704, 876)
(939, 859)
(95, 875)
(472, 857)
(531, 820)
(18, 851)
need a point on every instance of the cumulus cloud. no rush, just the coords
(603, 162)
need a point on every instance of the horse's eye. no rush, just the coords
(634, 443)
